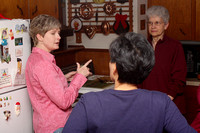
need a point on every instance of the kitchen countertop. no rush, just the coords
(95, 84)
(192, 81)
(85, 89)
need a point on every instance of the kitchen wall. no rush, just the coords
(100, 41)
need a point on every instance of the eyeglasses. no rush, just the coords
(154, 23)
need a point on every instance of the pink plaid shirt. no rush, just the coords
(50, 95)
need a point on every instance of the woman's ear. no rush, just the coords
(39, 37)
(166, 26)
(115, 69)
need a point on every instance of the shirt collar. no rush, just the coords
(160, 41)
(46, 54)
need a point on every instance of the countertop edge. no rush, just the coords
(192, 82)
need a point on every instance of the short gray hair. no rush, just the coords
(159, 11)
(41, 24)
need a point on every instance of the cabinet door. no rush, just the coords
(181, 25)
(14, 8)
(198, 20)
(49, 7)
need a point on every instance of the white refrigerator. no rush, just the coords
(15, 48)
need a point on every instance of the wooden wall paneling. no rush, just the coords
(100, 59)
(64, 59)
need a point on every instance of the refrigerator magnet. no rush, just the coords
(4, 42)
(18, 41)
(17, 108)
(24, 28)
(4, 33)
(18, 52)
(11, 34)
(7, 114)
(21, 28)
(5, 81)
(5, 56)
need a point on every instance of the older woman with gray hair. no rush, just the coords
(169, 73)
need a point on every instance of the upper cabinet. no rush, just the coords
(183, 22)
(49, 7)
(28, 9)
(14, 8)
(197, 20)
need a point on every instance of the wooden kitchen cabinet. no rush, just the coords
(28, 9)
(182, 18)
(14, 8)
(197, 20)
(49, 7)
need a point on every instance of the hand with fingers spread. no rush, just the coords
(84, 70)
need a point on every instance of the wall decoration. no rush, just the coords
(76, 22)
(74, 1)
(98, 1)
(90, 31)
(142, 24)
(111, 7)
(142, 9)
(120, 25)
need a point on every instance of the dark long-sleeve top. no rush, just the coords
(169, 72)
(134, 111)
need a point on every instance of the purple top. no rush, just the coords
(134, 111)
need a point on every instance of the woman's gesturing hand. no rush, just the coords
(84, 70)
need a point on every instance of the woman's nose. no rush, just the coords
(58, 36)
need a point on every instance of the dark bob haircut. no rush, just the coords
(134, 57)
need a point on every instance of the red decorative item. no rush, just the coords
(1, 16)
(120, 25)
(120, 19)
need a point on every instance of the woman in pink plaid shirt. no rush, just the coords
(50, 94)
